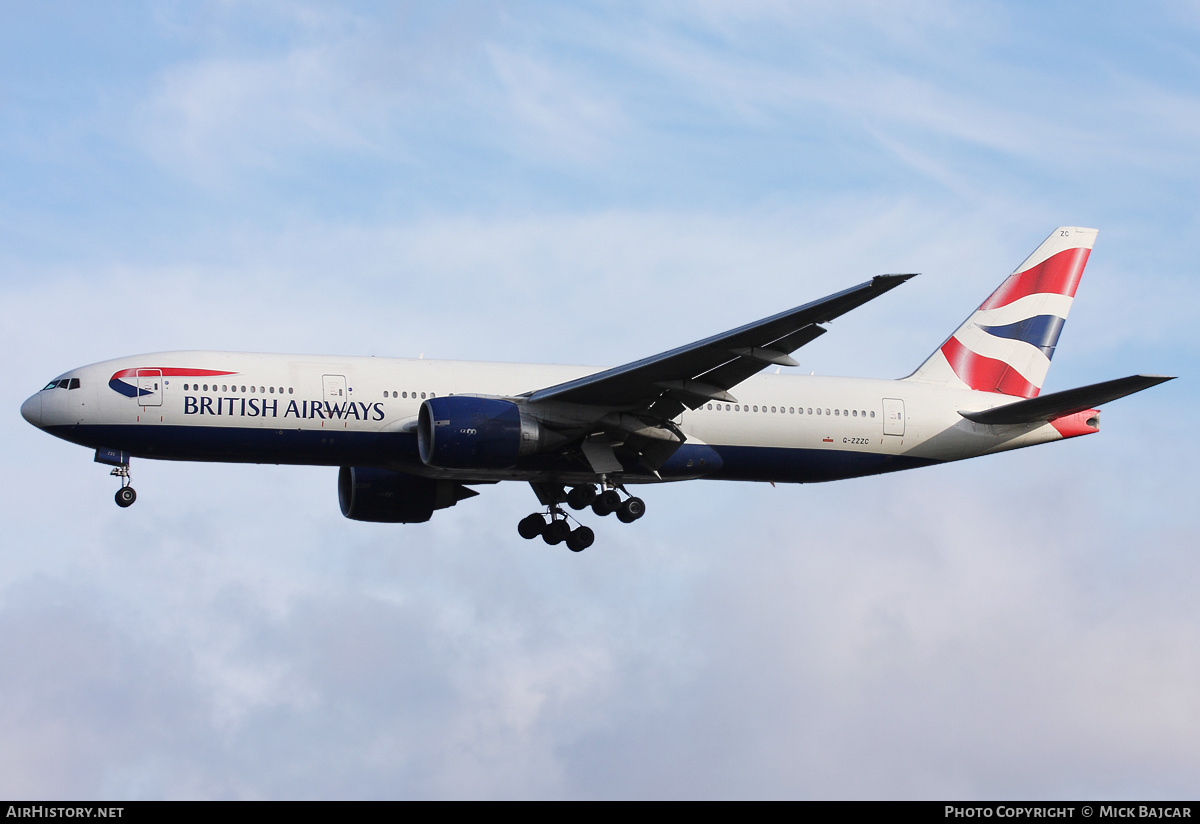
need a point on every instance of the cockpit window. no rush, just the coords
(51, 385)
(74, 383)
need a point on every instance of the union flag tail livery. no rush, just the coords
(1006, 345)
(410, 437)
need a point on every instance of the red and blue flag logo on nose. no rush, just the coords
(125, 381)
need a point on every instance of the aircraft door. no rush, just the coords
(893, 416)
(334, 387)
(150, 387)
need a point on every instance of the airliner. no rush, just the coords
(415, 436)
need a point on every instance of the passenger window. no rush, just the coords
(422, 396)
(818, 410)
(836, 412)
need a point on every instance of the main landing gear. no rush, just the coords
(125, 495)
(558, 530)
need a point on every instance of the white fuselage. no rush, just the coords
(299, 409)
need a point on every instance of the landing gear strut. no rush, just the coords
(553, 526)
(125, 495)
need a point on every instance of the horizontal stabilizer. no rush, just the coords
(1058, 404)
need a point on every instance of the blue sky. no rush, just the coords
(592, 183)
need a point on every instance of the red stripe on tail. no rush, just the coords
(1057, 275)
(986, 374)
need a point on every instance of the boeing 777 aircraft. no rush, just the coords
(415, 436)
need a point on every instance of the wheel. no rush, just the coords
(631, 510)
(556, 532)
(607, 503)
(125, 496)
(531, 526)
(581, 496)
(580, 539)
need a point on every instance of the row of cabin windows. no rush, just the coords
(65, 383)
(262, 390)
(413, 395)
(793, 410)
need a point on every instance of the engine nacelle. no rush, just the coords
(466, 432)
(383, 496)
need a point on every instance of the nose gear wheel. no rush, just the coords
(125, 495)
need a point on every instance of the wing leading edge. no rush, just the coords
(688, 376)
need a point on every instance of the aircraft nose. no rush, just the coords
(31, 410)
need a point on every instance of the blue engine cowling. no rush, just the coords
(467, 432)
(383, 496)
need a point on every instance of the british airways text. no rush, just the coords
(263, 408)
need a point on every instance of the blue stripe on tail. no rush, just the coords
(1041, 331)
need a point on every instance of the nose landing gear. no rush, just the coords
(125, 495)
(118, 459)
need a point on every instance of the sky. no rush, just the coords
(592, 183)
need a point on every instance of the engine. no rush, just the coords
(383, 496)
(466, 432)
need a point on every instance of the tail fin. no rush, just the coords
(1006, 345)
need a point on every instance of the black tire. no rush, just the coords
(607, 503)
(531, 526)
(580, 539)
(125, 496)
(581, 497)
(556, 532)
(631, 510)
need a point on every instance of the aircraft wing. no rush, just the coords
(691, 375)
